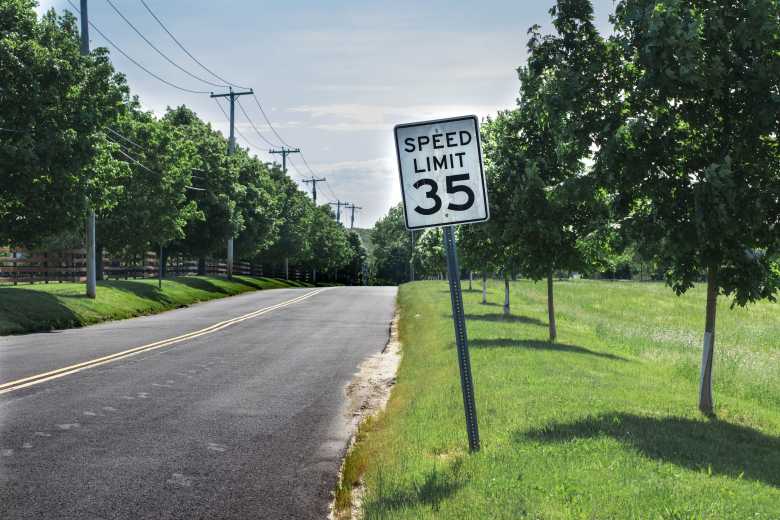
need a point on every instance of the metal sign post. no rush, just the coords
(443, 184)
(461, 340)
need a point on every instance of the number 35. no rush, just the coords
(451, 188)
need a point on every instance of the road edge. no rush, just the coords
(367, 393)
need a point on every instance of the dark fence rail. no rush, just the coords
(25, 267)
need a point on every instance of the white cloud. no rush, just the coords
(361, 117)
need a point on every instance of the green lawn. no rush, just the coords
(602, 424)
(40, 307)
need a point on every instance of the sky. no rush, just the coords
(334, 77)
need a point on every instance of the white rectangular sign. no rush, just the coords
(442, 180)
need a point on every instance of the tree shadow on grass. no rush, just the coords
(498, 317)
(143, 290)
(201, 284)
(540, 345)
(709, 445)
(255, 283)
(436, 487)
(23, 311)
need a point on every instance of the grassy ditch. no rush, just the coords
(43, 307)
(602, 424)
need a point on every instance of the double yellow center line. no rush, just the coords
(72, 369)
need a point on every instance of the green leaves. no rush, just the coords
(693, 138)
(542, 199)
(392, 247)
(55, 101)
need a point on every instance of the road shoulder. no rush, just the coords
(367, 396)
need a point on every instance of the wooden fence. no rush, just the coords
(22, 267)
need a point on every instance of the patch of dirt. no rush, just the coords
(367, 394)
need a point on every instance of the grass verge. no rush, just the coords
(602, 424)
(43, 307)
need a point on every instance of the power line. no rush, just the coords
(314, 174)
(330, 190)
(240, 106)
(305, 162)
(297, 171)
(242, 136)
(122, 150)
(268, 121)
(161, 53)
(220, 78)
(127, 139)
(161, 79)
(123, 53)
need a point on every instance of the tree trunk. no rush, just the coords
(201, 266)
(484, 288)
(471, 279)
(286, 267)
(551, 307)
(506, 294)
(164, 261)
(705, 387)
(99, 262)
(314, 276)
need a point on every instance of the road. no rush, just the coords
(244, 421)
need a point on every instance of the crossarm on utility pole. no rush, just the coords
(313, 181)
(284, 152)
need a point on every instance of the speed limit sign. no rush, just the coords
(442, 180)
(443, 184)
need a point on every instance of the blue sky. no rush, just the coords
(334, 77)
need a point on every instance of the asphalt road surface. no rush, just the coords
(245, 420)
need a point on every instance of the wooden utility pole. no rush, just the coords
(338, 205)
(90, 223)
(231, 95)
(284, 152)
(313, 181)
(352, 216)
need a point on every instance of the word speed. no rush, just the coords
(442, 178)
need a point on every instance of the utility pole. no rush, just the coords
(90, 223)
(338, 205)
(231, 148)
(352, 216)
(284, 152)
(313, 181)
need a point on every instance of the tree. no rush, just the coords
(218, 176)
(259, 205)
(539, 150)
(429, 253)
(153, 208)
(357, 258)
(392, 247)
(294, 207)
(328, 248)
(54, 102)
(691, 152)
(489, 244)
(476, 250)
